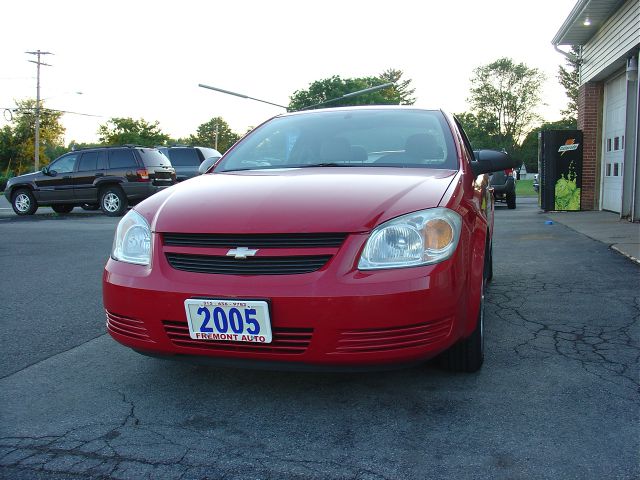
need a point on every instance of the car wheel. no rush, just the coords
(113, 202)
(468, 354)
(90, 206)
(24, 203)
(64, 208)
(511, 200)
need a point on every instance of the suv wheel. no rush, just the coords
(113, 202)
(511, 200)
(64, 208)
(24, 203)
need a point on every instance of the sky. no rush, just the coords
(145, 59)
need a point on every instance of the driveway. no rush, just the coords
(556, 398)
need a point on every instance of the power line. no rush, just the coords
(18, 109)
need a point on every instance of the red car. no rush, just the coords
(343, 238)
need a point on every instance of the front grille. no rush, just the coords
(293, 240)
(249, 266)
(288, 341)
(380, 340)
(130, 327)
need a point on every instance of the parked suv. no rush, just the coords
(110, 178)
(186, 159)
(504, 187)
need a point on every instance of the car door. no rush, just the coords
(91, 166)
(56, 184)
(482, 197)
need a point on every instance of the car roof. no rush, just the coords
(360, 108)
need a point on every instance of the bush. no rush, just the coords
(3, 183)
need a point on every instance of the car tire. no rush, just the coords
(24, 202)
(468, 354)
(90, 206)
(511, 200)
(113, 201)
(62, 209)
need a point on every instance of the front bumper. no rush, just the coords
(334, 317)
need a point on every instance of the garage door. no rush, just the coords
(615, 98)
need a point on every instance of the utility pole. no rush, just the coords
(216, 134)
(37, 142)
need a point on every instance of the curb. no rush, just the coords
(621, 252)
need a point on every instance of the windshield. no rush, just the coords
(347, 138)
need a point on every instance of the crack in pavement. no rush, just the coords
(103, 454)
(610, 352)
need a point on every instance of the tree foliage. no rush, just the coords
(17, 140)
(569, 78)
(334, 87)
(505, 95)
(205, 135)
(478, 129)
(122, 131)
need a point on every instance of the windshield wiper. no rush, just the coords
(325, 164)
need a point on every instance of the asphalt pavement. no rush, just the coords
(556, 398)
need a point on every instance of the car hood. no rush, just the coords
(308, 200)
(27, 177)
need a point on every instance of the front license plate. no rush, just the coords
(229, 320)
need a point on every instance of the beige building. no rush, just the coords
(608, 34)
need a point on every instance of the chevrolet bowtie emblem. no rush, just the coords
(241, 253)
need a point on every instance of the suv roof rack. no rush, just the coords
(126, 145)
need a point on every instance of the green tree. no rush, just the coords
(569, 78)
(334, 87)
(528, 151)
(8, 151)
(506, 94)
(402, 91)
(205, 135)
(122, 131)
(17, 142)
(478, 130)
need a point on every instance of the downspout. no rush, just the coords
(632, 71)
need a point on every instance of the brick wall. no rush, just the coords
(590, 122)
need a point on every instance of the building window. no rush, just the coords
(608, 173)
(608, 144)
(616, 143)
(615, 169)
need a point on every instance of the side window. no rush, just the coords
(182, 157)
(64, 164)
(102, 160)
(465, 140)
(122, 159)
(88, 162)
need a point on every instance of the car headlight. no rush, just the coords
(420, 238)
(132, 243)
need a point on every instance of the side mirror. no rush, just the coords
(207, 164)
(48, 172)
(488, 161)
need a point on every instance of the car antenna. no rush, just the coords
(347, 95)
